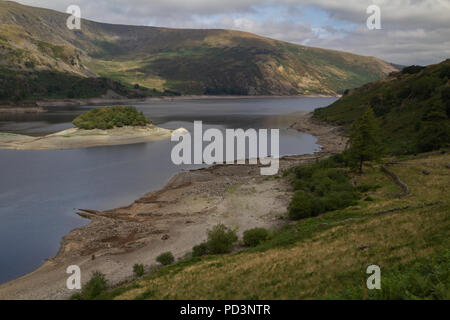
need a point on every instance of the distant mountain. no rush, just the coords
(413, 107)
(180, 61)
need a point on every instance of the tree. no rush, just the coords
(365, 144)
(221, 239)
(434, 131)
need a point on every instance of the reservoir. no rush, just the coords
(40, 191)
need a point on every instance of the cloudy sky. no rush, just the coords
(413, 31)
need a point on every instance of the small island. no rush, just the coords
(104, 126)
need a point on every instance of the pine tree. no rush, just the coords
(365, 143)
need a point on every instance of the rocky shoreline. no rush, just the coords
(77, 138)
(174, 218)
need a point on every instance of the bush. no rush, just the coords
(300, 206)
(110, 117)
(412, 69)
(424, 87)
(93, 288)
(255, 236)
(166, 258)
(221, 239)
(200, 250)
(139, 270)
(321, 187)
(338, 200)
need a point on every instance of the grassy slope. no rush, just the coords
(319, 258)
(401, 102)
(184, 60)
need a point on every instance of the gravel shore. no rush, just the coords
(174, 218)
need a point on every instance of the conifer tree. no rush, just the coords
(365, 142)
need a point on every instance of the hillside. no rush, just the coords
(413, 108)
(406, 234)
(177, 61)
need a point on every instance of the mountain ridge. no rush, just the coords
(185, 61)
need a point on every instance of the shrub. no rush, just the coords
(200, 250)
(424, 87)
(139, 270)
(304, 172)
(338, 200)
(93, 288)
(412, 69)
(166, 258)
(321, 187)
(255, 236)
(301, 206)
(221, 239)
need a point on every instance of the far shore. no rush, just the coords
(39, 106)
(174, 218)
(21, 109)
(75, 138)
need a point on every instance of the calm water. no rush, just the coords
(41, 190)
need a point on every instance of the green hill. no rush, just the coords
(183, 61)
(413, 107)
(326, 257)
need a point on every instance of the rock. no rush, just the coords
(364, 246)
(425, 172)
(447, 165)
(181, 131)
(165, 237)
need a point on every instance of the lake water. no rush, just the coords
(41, 190)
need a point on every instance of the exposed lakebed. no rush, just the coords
(40, 190)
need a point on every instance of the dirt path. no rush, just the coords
(174, 218)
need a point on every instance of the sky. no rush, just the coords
(412, 31)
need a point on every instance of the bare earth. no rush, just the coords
(174, 218)
(77, 138)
